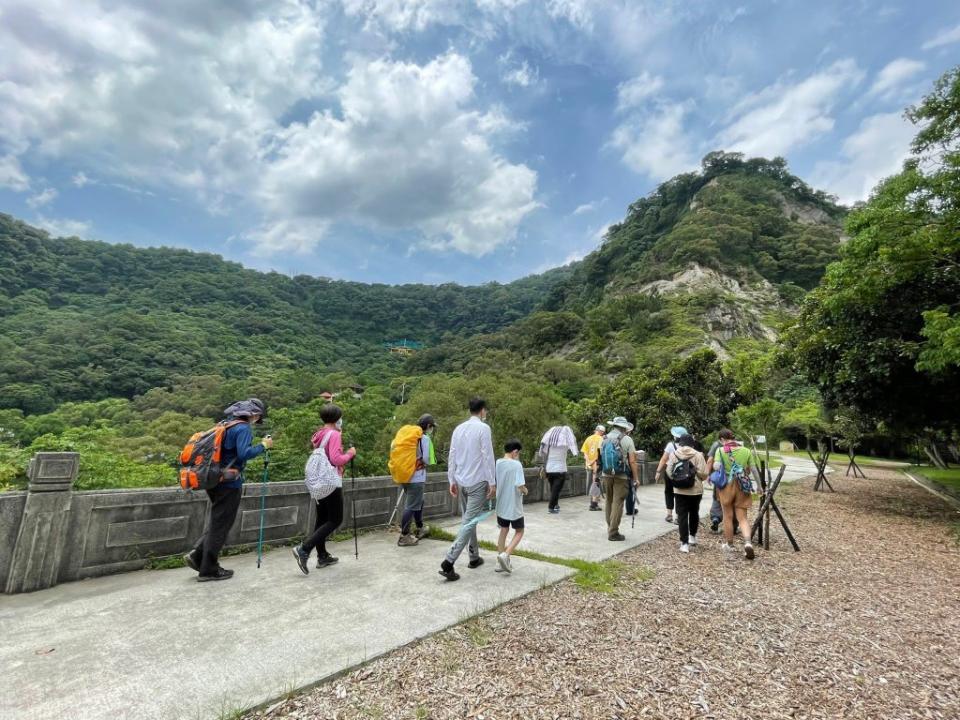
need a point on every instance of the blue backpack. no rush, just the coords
(611, 457)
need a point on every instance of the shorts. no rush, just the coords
(517, 524)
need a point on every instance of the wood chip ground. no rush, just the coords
(863, 623)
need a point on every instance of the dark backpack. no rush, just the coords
(200, 467)
(683, 475)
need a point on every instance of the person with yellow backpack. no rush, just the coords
(411, 453)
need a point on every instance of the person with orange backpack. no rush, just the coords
(232, 446)
(413, 490)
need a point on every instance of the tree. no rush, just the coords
(878, 336)
(761, 418)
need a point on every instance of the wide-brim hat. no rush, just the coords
(621, 422)
(678, 431)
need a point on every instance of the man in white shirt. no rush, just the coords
(471, 470)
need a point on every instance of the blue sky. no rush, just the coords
(434, 140)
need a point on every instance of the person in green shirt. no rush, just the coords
(735, 499)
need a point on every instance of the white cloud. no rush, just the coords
(785, 116)
(589, 207)
(876, 150)
(407, 151)
(634, 92)
(44, 197)
(402, 15)
(80, 180)
(63, 227)
(655, 142)
(12, 175)
(944, 37)
(894, 75)
(522, 73)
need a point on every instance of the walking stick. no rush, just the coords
(263, 503)
(353, 510)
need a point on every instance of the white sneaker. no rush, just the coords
(504, 560)
(693, 540)
(684, 548)
(726, 546)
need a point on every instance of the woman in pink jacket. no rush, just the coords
(330, 508)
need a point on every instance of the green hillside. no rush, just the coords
(117, 351)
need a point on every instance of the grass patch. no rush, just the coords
(949, 478)
(603, 577)
(844, 459)
(166, 563)
(478, 632)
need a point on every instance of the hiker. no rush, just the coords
(413, 492)
(471, 471)
(618, 456)
(237, 450)
(668, 450)
(511, 487)
(686, 470)
(735, 490)
(591, 456)
(554, 446)
(330, 508)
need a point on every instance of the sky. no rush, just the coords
(435, 141)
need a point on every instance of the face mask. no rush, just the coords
(340, 424)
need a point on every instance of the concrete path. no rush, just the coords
(576, 532)
(158, 645)
(797, 467)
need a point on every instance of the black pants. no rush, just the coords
(224, 503)
(556, 487)
(329, 518)
(688, 515)
(668, 492)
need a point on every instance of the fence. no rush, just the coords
(51, 534)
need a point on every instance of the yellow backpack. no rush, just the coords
(403, 453)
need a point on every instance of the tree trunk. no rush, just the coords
(936, 460)
(954, 451)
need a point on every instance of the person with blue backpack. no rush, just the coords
(618, 460)
(732, 483)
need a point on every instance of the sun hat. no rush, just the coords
(678, 431)
(621, 422)
(601, 428)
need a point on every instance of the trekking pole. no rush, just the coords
(263, 503)
(396, 508)
(353, 510)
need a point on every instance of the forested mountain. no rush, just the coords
(114, 350)
(83, 320)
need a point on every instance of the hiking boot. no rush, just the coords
(616, 537)
(326, 560)
(220, 574)
(715, 527)
(748, 551)
(191, 562)
(693, 541)
(474, 564)
(446, 569)
(422, 532)
(407, 540)
(504, 561)
(302, 558)
(684, 548)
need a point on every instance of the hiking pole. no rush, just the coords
(263, 503)
(353, 510)
(396, 508)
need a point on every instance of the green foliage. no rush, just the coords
(878, 335)
(762, 418)
(691, 391)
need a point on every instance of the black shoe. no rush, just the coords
(616, 537)
(715, 527)
(191, 562)
(327, 559)
(220, 574)
(302, 558)
(474, 564)
(446, 569)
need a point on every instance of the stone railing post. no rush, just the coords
(46, 516)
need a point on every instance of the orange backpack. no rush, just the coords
(403, 453)
(200, 458)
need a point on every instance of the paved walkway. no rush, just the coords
(576, 532)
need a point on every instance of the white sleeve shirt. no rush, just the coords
(471, 460)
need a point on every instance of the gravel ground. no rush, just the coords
(863, 623)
